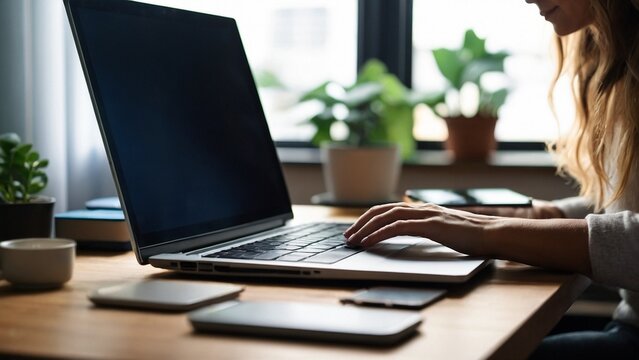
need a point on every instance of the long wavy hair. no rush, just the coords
(602, 62)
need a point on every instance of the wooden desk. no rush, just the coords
(502, 313)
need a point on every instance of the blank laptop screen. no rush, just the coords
(180, 112)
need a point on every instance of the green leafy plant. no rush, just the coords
(377, 108)
(21, 170)
(464, 66)
(267, 79)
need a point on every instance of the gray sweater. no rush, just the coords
(614, 248)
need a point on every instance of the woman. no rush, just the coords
(599, 49)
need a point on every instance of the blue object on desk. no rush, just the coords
(114, 215)
(105, 203)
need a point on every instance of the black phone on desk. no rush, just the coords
(395, 297)
(471, 197)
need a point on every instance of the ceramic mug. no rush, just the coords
(37, 263)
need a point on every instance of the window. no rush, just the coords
(292, 46)
(507, 25)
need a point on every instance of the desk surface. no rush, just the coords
(502, 313)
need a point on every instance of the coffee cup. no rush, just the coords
(37, 263)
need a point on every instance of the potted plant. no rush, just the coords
(376, 115)
(23, 213)
(471, 132)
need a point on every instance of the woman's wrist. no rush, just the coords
(493, 236)
(551, 243)
(546, 210)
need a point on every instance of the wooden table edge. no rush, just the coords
(528, 336)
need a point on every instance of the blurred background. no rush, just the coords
(292, 46)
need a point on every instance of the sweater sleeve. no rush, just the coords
(574, 207)
(614, 249)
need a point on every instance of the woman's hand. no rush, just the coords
(553, 243)
(460, 230)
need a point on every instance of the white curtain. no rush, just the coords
(44, 98)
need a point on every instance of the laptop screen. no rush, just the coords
(181, 117)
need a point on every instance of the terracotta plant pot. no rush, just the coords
(471, 139)
(33, 219)
(361, 174)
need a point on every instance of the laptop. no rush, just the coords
(194, 163)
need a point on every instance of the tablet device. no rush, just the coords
(168, 295)
(325, 322)
(470, 197)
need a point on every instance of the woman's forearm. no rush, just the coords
(553, 243)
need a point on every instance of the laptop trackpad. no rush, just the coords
(414, 248)
(428, 250)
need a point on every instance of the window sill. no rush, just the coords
(436, 158)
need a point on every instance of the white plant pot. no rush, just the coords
(361, 174)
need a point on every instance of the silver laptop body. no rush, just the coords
(195, 166)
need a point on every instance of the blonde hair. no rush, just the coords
(602, 62)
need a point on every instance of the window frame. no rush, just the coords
(385, 32)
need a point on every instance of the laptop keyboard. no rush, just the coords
(314, 243)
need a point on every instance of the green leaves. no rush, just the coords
(467, 65)
(323, 122)
(267, 79)
(21, 174)
(491, 102)
(8, 141)
(474, 44)
(429, 98)
(361, 94)
(398, 122)
(379, 108)
(451, 65)
(320, 94)
(373, 71)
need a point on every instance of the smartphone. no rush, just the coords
(324, 322)
(403, 298)
(471, 197)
